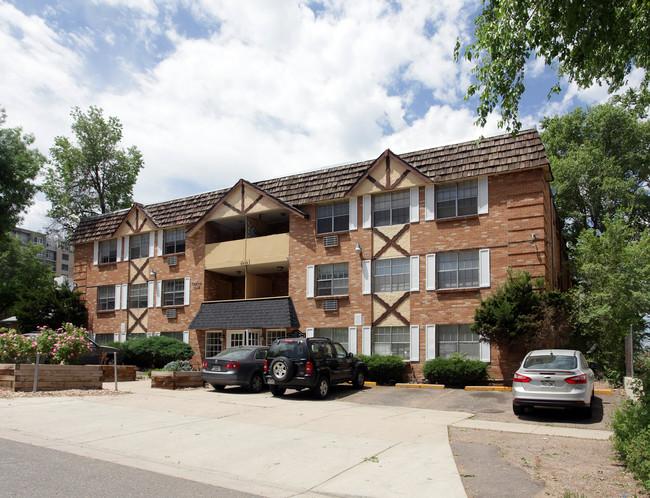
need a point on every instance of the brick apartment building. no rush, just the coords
(386, 256)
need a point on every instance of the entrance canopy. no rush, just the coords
(244, 314)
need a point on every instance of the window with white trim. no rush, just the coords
(104, 338)
(138, 295)
(174, 241)
(456, 270)
(390, 275)
(457, 199)
(337, 334)
(174, 292)
(213, 343)
(389, 341)
(173, 335)
(393, 208)
(135, 335)
(457, 338)
(108, 251)
(139, 246)
(106, 298)
(333, 217)
(332, 279)
(274, 335)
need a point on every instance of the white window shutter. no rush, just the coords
(119, 250)
(366, 266)
(118, 291)
(156, 334)
(186, 289)
(160, 242)
(415, 343)
(186, 336)
(483, 195)
(429, 203)
(150, 293)
(125, 295)
(352, 340)
(431, 342)
(367, 211)
(431, 272)
(152, 244)
(309, 332)
(149, 334)
(484, 267)
(415, 273)
(484, 350)
(353, 214)
(126, 248)
(116, 337)
(159, 293)
(310, 281)
(366, 346)
(415, 205)
(95, 253)
(122, 336)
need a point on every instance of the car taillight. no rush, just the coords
(520, 378)
(232, 366)
(309, 368)
(205, 364)
(266, 366)
(577, 379)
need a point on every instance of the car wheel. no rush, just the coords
(218, 387)
(517, 410)
(322, 388)
(282, 369)
(256, 383)
(359, 379)
(277, 391)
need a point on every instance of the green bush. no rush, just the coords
(16, 348)
(456, 371)
(154, 352)
(64, 345)
(384, 369)
(178, 366)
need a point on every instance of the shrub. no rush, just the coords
(154, 352)
(178, 366)
(456, 371)
(66, 345)
(384, 369)
(16, 348)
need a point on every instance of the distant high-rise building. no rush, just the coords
(57, 254)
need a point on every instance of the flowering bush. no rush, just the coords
(16, 348)
(64, 345)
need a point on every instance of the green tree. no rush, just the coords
(19, 166)
(50, 306)
(93, 177)
(587, 42)
(600, 158)
(612, 290)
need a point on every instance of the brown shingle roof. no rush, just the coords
(490, 156)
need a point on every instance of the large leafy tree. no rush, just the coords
(588, 42)
(50, 306)
(19, 166)
(600, 158)
(95, 176)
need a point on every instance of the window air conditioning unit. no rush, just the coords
(330, 304)
(171, 313)
(331, 241)
(172, 260)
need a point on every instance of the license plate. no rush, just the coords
(270, 381)
(548, 383)
(216, 368)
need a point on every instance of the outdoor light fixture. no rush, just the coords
(357, 249)
(152, 273)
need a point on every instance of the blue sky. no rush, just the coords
(212, 91)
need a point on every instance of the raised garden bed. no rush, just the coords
(20, 377)
(125, 373)
(175, 380)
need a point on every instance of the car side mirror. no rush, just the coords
(350, 355)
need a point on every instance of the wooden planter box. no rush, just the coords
(175, 380)
(125, 373)
(20, 377)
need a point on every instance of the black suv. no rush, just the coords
(310, 363)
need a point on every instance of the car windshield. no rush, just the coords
(234, 353)
(551, 362)
(288, 348)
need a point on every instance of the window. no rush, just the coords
(174, 292)
(174, 241)
(139, 246)
(391, 275)
(108, 251)
(213, 343)
(106, 298)
(64, 267)
(138, 294)
(135, 335)
(337, 334)
(391, 341)
(457, 339)
(457, 199)
(332, 280)
(332, 217)
(458, 269)
(391, 209)
(272, 335)
(174, 335)
(65, 256)
(104, 338)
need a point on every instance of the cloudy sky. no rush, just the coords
(213, 91)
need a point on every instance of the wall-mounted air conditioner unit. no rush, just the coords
(171, 313)
(331, 241)
(172, 260)
(330, 304)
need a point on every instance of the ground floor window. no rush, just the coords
(104, 338)
(391, 341)
(337, 334)
(173, 335)
(135, 335)
(213, 343)
(238, 338)
(457, 339)
(273, 335)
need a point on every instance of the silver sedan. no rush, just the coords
(554, 377)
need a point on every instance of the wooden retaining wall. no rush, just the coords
(20, 377)
(125, 373)
(175, 380)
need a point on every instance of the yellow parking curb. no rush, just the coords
(603, 391)
(370, 384)
(420, 386)
(488, 388)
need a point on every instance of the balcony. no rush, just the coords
(259, 254)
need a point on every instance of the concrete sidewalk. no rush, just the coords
(253, 443)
